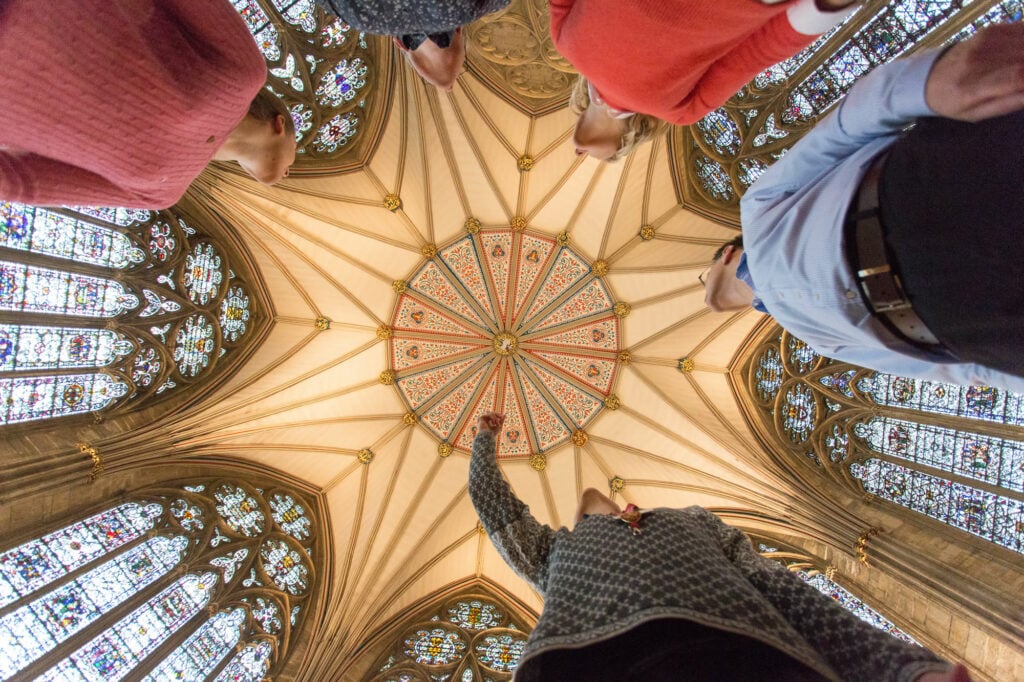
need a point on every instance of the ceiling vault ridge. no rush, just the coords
(697, 421)
(595, 178)
(664, 296)
(295, 381)
(433, 101)
(495, 129)
(652, 160)
(675, 326)
(549, 499)
(382, 510)
(395, 584)
(341, 476)
(556, 143)
(428, 196)
(376, 235)
(613, 210)
(403, 129)
(677, 437)
(353, 535)
(367, 624)
(312, 265)
(478, 153)
(553, 193)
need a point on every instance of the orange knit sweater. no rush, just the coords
(674, 59)
(118, 103)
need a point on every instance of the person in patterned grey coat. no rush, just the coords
(429, 32)
(682, 596)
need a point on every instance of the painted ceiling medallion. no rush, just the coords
(510, 321)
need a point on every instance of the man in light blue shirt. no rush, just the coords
(853, 242)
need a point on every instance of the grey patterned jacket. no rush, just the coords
(402, 17)
(599, 580)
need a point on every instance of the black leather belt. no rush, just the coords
(876, 270)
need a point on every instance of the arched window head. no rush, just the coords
(204, 581)
(469, 638)
(952, 453)
(721, 155)
(106, 309)
(324, 70)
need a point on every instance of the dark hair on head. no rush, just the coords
(736, 242)
(266, 106)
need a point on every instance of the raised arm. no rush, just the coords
(979, 78)
(854, 649)
(786, 34)
(521, 540)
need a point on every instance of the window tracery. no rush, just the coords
(103, 308)
(471, 638)
(162, 586)
(720, 156)
(953, 453)
(322, 68)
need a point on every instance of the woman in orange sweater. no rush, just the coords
(646, 61)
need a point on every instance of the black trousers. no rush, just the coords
(951, 201)
(669, 650)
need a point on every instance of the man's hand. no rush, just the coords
(980, 78)
(490, 421)
(957, 674)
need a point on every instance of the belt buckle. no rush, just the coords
(883, 289)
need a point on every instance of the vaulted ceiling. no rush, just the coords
(585, 273)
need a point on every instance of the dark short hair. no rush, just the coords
(736, 242)
(266, 106)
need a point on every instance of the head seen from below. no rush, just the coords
(723, 290)
(605, 133)
(263, 143)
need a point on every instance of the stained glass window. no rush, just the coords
(953, 453)
(730, 147)
(159, 308)
(322, 69)
(158, 562)
(470, 637)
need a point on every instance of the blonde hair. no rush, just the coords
(639, 127)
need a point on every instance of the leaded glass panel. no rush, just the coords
(37, 563)
(38, 230)
(162, 584)
(27, 347)
(115, 652)
(197, 657)
(285, 565)
(39, 626)
(321, 68)
(468, 637)
(33, 398)
(290, 515)
(240, 510)
(248, 665)
(997, 518)
(25, 288)
(161, 316)
(954, 453)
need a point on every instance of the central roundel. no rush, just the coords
(507, 321)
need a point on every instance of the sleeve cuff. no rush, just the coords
(805, 17)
